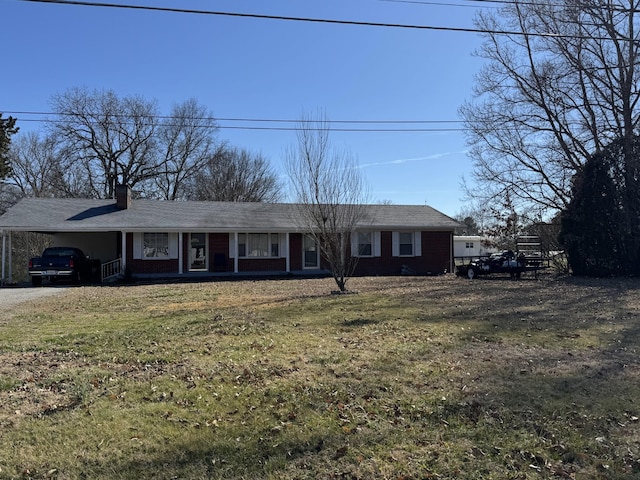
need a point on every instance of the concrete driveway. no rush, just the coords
(12, 296)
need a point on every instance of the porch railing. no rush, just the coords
(111, 269)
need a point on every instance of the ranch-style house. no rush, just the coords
(155, 238)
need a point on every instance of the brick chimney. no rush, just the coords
(123, 197)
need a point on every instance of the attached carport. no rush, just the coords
(59, 220)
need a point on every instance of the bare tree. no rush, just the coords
(330, 193)
(34, 161)
(234, 175)
(188, 141)
(114, 138)
(43, 167)
(554, 91)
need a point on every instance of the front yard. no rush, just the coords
(412, 378)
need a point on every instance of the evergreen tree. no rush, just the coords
(7, 128)
(600, 228)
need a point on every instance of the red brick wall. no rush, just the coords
(437, 251)
(219, 245)
(436, 257)
(295, 251)
(154, 266)
(262, 265)
(139, 266)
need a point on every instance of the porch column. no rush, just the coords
(180, 254)
(123, 255)
(288, 257)
(4, 251)
(10, 258)
(235, 257)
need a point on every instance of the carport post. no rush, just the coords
(123, 255)
(10, 258)
(180, 255)
(288, 257)
(4, 251)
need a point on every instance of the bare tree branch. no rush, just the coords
(545, 104)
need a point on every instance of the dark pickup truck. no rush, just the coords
(62, 263)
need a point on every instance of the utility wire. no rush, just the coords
(241, 119)
(437, 4)
(301, 19)
(213, 122)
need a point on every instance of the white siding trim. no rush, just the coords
(377, 247)
(395, 244)
(173, 245)
(417, 244)
(287, 256)
(232, 245)
(137, 245)
(354, 244)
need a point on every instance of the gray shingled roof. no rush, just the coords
(73, 215)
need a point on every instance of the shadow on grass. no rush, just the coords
(359, 322)
(207, 456)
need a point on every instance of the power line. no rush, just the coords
(438, 4)
(242, 119)
(298, 19)
(293, 125)
(496, 3)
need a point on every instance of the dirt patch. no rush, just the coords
(36, 383)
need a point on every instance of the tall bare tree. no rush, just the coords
(187, 140)
(113, 137)
(34, 160)
(560, 82)
(234, 175)
(330, 193)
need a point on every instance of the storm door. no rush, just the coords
(198, 252)
(311, 259)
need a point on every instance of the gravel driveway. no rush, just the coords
(10, 297)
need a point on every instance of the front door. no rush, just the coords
(310, 259)
(198, 252)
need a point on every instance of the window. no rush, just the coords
(258, 245)
(468, 245)
(365, 244)
(155, 245)
(275, 245)
(406, 243)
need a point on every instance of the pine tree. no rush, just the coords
(7, 128)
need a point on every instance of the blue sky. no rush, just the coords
(269, 69)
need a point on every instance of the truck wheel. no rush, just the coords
(471, 273)
(36, 281)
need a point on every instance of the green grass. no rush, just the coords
(411, 378)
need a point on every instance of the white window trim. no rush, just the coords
(281, 245)
(138, 246)
(417, 244)
(376, 249)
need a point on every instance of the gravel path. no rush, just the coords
(10, 297)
